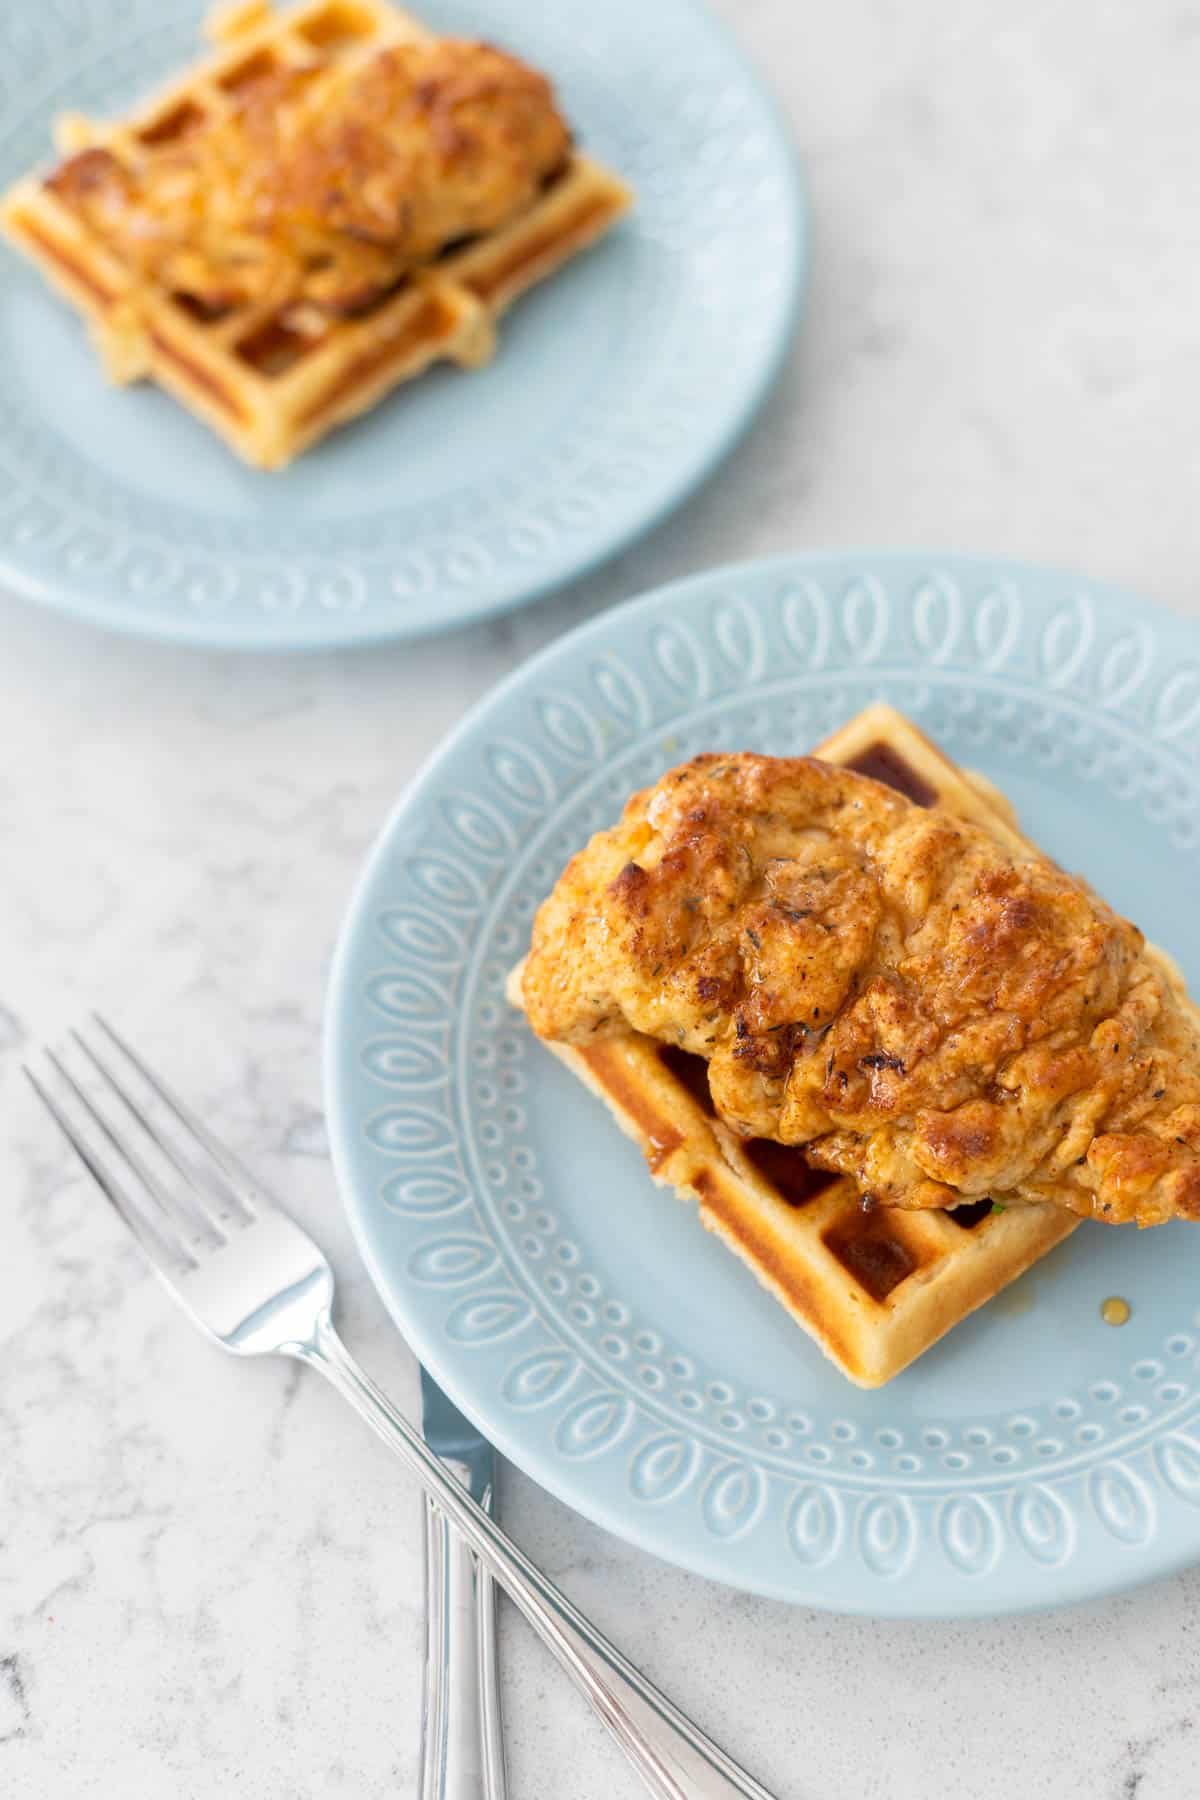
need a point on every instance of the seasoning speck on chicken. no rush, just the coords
(926, 1011)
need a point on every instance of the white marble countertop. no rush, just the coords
(209, 1575)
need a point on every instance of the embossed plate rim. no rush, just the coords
(985, 1578)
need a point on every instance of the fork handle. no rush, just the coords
(462, 1757)
(674, 1757)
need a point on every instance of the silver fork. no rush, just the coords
(249, 1276)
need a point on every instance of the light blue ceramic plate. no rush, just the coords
(584, 1319)
(616, 387)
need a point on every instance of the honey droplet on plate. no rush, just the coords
(1115, 1311)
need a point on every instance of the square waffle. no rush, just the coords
(272, 385)
(873, 1289)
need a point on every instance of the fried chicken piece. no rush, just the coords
(327, 188)
(884, 984)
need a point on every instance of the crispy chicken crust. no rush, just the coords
(329, 191)
(886, 985)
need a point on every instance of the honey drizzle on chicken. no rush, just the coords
(922, 1009)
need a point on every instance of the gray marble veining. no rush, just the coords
(1001, 353)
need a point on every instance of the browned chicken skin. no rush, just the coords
(885, 985)
(329, 189)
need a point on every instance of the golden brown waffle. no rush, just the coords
(874, 1289)
(272, 386)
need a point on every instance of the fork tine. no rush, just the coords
(197, 1200)
(156, 1243)
(246, 1190)
(173, 1214)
